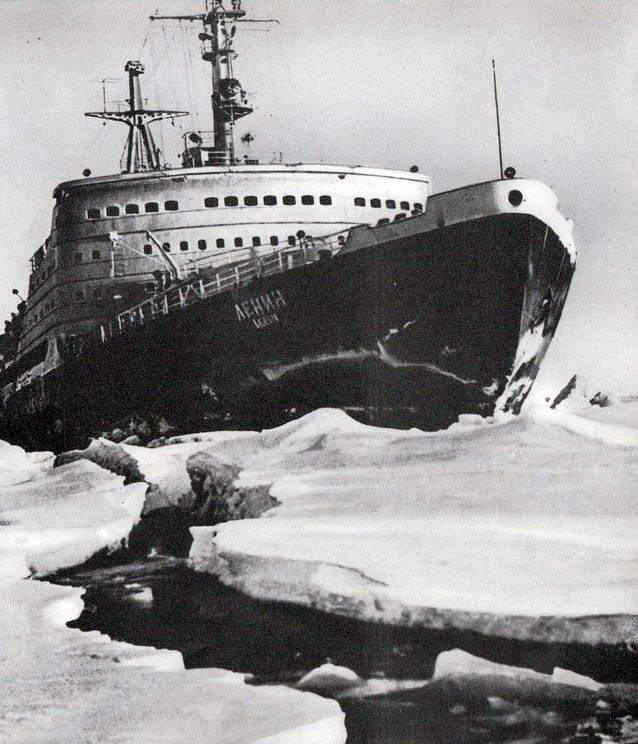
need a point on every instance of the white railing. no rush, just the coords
(206, 284)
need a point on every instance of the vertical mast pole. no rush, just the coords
(498, 122)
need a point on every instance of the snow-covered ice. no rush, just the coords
(62, 685)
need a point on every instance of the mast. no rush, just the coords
(141, 153)
(229, 101)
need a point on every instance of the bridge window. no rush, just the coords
(220, 242)
(171, 205)
(325, 200)
(289, 200)
(166, 247)
(251, 201)
(256, 241)
(93, 214)
(238, 242)
(95, 255)
(307, 199)
(183, 246)
(77, 258)
(211, 201)
(274, 240)
(201, 244)
(112, 211)
(270, 200)
(292, 240)
(376, 203)
(390, 204)
(132, 209)
(418, 207)
(359, 201)
(405, 205)
(148, 249)
(151, 207)
(231, 201)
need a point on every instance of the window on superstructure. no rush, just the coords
(376, 203)
(132, 209)
(211, 201)
(390, 204)
(289, 200)
(151, 207)
(201, 244)
(98, 293)
(292, 240)
(307, 199)
(171, 205)
(93, 214)
(78, 296)
(359, 201)
(270, 200)
(274, 240)
(256, 241)
(405, 205)
(183, 246)
(220, 242)
(325, 200)
(112, 211)
(166, 247)
(418, 207)
(238, 242)
(148, 249)
(149, 287)
(95, 255)
(77, 258)
(383, 221)
(231, 201)
(251, 201)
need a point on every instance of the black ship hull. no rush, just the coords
(411, 324)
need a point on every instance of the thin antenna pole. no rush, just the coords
(498, 121)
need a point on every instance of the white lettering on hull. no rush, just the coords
(261, 309)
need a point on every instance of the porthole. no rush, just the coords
(239, 242)
(256, 241)
(79, 295)
(231, 201)
(251, 201)
(132, 209)
(95, 255)
(148, 249)
(183, 246)
(390, 204)
(112, 211)
(515, 198)
(383, 221)
(171, 205)
(405, 205)
(274, 240)
(98, 294)
(307, 199)
(77, 258)
(93, 214)
(359, 201)
(325, 200)
(220, 242)
(418, 207)
(292, 240)
(289, 200)
(211, 201)
(166, 247)
(151, 207)
(149, 288)
(201, 244)
(376, 203)
(270, 200)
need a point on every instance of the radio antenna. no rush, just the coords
(498, 122)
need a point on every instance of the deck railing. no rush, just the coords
(210, 280)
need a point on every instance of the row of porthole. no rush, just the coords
(270, 200)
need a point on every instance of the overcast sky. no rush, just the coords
(371, 82)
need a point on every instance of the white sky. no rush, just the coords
(375, 83)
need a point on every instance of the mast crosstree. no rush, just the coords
(141, 152)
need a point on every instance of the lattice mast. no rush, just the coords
(140, 152)
(229, 101)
